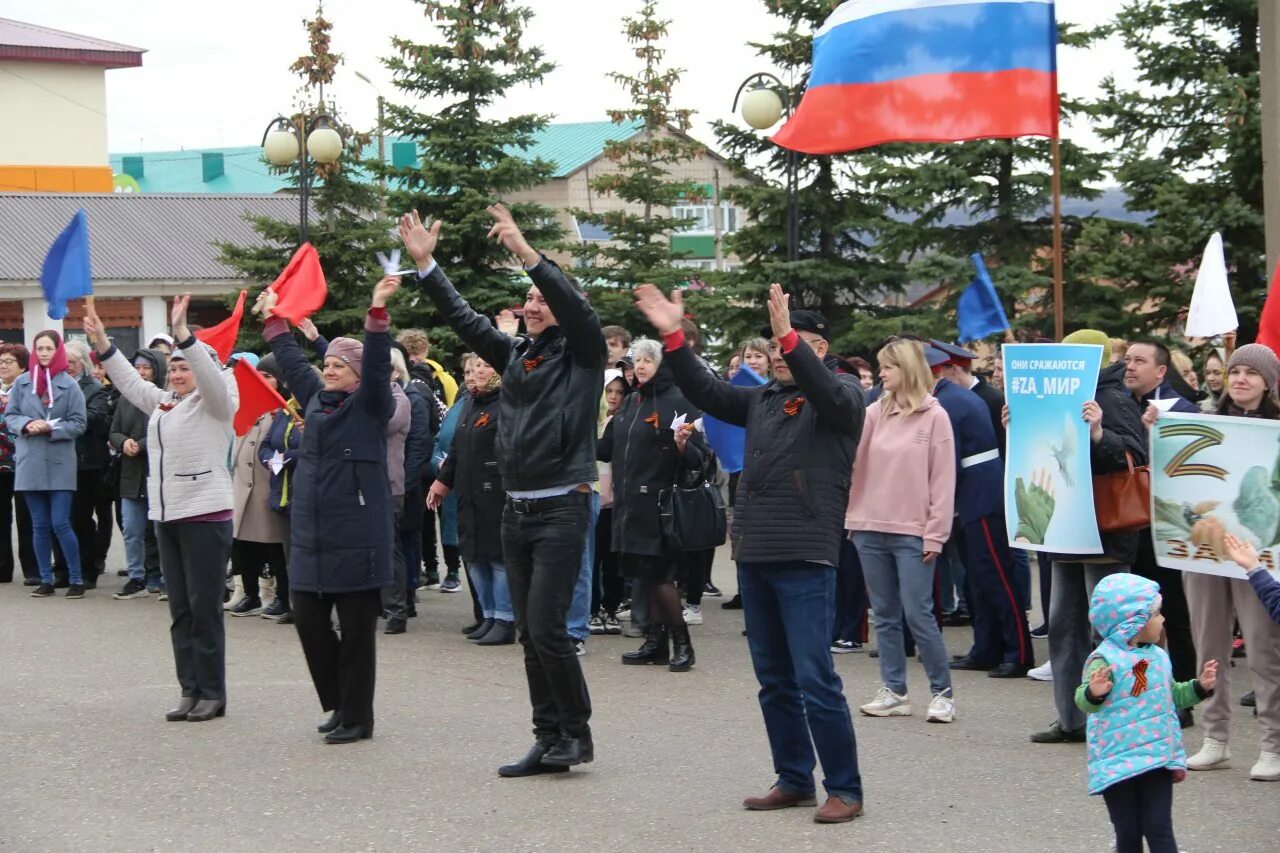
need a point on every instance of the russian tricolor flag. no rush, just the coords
(928, 71)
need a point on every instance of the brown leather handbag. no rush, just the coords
(1122, 500)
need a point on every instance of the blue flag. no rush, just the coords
(979, 312)
(727, 440)
(65, 274)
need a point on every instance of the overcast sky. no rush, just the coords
(215, 74)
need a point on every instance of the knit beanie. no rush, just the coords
(1260, 358)
(1088, 336)
(347, 350)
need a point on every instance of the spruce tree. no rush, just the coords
(343, 225)
(467, 158)
(640, 249)
(1188, 145)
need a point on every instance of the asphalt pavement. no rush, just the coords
(87, 762)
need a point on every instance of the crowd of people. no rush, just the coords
(562, 477)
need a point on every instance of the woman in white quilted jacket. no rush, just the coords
(189, 438)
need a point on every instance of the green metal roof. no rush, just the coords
(244, 171)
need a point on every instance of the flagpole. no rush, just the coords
(1059, 330)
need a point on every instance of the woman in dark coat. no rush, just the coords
(647, 456)
(472, 469)
(341, 516)
(128, 437)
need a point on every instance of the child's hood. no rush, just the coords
(1121, 605)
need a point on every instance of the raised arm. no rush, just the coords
(837, 401)
(143, 394)
(375, 376)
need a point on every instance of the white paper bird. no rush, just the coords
(391, 266)
(1065, 453)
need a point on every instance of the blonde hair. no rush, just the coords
(917, 378)
(1181, 361)
(399, 370)
(1119, 348)
(415, 341)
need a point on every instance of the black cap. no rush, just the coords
(804, 321)
(625, 361)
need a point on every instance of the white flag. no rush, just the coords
(1212, 311)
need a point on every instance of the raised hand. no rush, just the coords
(1240, 550)
(1035, 506)
(96, 331)
(780, 313)
(384, 290)
(508, 323)
(266, 302)
(1100, 681)
(418, 239)
(506, 232)
(178, 313)
(665, 314)
(1209, 675)
(308, 329)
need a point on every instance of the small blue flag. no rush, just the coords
(65, 274)
(727, 440)
(979, 312)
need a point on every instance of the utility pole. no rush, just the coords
(382, 159)
(716, 217)
(1268, 36)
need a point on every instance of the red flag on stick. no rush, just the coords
(256, 397)
(1269, 323)
(301, 288)
(222, 337)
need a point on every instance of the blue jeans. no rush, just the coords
(789, 609)
(490, 581)
(901, 585)
(580, 608)
(133, 521)
(51, 511)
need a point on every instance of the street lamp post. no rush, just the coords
(282, 142)
(766, 102)
(382, 155)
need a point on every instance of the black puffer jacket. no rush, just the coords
(131, 422)
(801, 440)
(91, 445)
(471, 470)
(641, 446)
(551, 385)
(418, 446)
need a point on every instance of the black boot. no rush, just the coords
(531, 764)
(571, 751)
(654, 650)
(501, 634)
(334, 720)
(349, 734)
(681, 649)
(481, 629)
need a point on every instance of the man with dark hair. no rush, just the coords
(552, 381)
(619, 341)
(1146, 375)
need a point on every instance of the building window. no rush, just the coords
(700, 218)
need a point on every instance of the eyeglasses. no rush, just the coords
(9, 360)
(773, 345)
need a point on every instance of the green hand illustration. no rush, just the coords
(1035, 507)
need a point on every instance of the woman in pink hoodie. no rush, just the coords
(900, 512)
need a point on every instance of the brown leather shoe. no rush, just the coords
(836, 810)
(778, 799)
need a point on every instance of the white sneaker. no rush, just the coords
(693, 614)
(887, 704)
(1267, 769)
(1213, 755)
(1042, 673)
(237, 597)
(942, 708)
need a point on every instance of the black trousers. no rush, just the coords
(342, 668)
(1000, 632)
(606, 583)
(430, 560)
(696, 567)
(851, 596)
(1142, 807)
(13, 507)
(1177, 614)
(193, 559)
(249, 559)
(543, 551)
(90, 493)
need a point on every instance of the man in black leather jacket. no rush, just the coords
(552, 380)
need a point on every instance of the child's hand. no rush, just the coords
(1245, 555)
(1100, 681)
(1209, 675)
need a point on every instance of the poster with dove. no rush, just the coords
(1048, 479)
(1211, 476)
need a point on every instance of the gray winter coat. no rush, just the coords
(46, 462)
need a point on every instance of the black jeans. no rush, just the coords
(395, 598)
(249, 559)
(13, 507)
(193, 558)
(90, 492)
(606, 586)
(543, 550)
(697, 569)
(1177, 613)
(851, 596)
(1143, 807)
(342, 668)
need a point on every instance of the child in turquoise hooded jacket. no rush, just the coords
(1135, 741)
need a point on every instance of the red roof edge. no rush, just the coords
(104, 58)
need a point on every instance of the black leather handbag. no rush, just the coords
(693, 515)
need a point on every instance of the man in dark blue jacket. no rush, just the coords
(552, 381)
(802, 431)
(1001, 638)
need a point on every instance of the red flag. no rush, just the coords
(1269, 323)
(300, 288)
(222, 337)
(256, 397)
